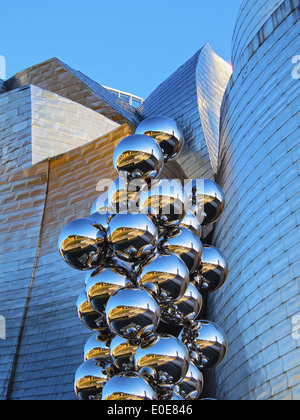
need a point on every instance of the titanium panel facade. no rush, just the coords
(259, 230)
(180, 96)
(45, 338)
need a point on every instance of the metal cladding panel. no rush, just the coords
(60, 125)
(177, 98)
(59, 78)
(15, 130)
(22, 199)
(33, 275)
(259, 231)
(251, 17)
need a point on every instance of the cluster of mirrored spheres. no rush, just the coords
(147, 272)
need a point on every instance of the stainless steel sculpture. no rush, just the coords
(166, 132)
(147, 267)
(138, 156)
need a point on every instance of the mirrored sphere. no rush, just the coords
(101, 205)
(186, 309)
(80, 244)
(123, 197)
(170, 276)
(132, 313)
(165, 202)
(191, 222)
(185, 244)
(98, 346)
(207, 343)
(90, 318)
(101, 219)
(213, 271)
(171, 396)
(166, 132)
(138, 156)
(123, 352)
(163, 360)
(126, 387)
(102, 284)
(206, 200)
(90, 379)
(191, 386)
(133, 237)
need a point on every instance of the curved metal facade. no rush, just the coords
(259, 230)
(251, 17)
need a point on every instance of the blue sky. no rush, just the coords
(131, 45)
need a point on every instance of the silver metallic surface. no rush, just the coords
(191, 386)
(127, 387)
(132, 313)
(171, 396)
(166, 276)
(206, 200)
(213, 270)
(138, 156)
(102, 284)
(87, 315)
(165, 202)
(80, 244)
(191, 222)
(101, 204)
(163, 360)
(259, 229)
(133, 236)
(97, 346)
(166, 132)
(123, 352)
(184, 310)
(123, 197)
(207, 343)
(185, 244)
(90, 379)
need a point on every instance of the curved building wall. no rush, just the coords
(38, 291)
(259, 230)
(251, 17)
(192, 96)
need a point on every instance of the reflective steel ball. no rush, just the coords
(138, 156)
(133, 237)
(90, 379)
(185, 310)
(165, 202)
(213, 270)
(80, 244)
(102, 284)
(191, 222)
(88, 316)
(166, 132)
(98, 346)
(185, 244)
(163, 360)
(126, 387)
(206, 200)
(123, 197)
(101, 204)
(166, 276)
(123, 351)
(207, 343)
(191, 386)
(132, 313)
